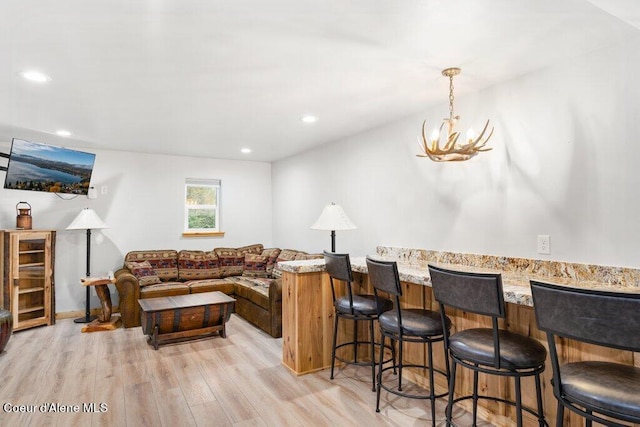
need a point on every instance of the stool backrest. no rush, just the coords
(339, 268)
(479, 293)
(610, 319)
(384, 276)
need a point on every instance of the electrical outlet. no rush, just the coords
(544, 246)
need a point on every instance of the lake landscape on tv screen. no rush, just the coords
(42, 167)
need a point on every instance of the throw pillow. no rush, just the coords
(195, 265)
(255, 265)
(272, 254)
(231, 261)
(164, 262)
(143, 272)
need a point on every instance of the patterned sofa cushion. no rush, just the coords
(163, 262)
(164, 290)
(254, 289)
(231, 261)
(195, 265)
(210, 285)
(291, 255)
(287, 255)
(304, 256)
(255, 265)
(143, 272)
(272, 254)
(251, 249)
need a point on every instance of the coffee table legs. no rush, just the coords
(154, 337)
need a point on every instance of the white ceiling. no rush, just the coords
(209, 77)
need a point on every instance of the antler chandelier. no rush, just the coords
(452, 150)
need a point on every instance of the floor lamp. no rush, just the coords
(331, 219)
(88, 220)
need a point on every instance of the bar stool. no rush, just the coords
(356, 307)
(604, 318)
(406, 326)
(492, 350)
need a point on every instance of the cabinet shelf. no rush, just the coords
(30, 290)
(36, 251)
(31, 264)
(31, 309)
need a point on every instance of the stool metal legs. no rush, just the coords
(517, 376)
(400, 365)
(355, 344)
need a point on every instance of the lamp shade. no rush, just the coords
(87, 219)
(333, 217)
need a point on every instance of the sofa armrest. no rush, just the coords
(129, 293)
(275, 291)
(275, 307)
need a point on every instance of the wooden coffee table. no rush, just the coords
(181, 317)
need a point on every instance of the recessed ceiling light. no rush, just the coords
(63, 132)
(309, 118)
(245, 150)
(35, 76)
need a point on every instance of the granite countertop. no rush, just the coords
(515, 284)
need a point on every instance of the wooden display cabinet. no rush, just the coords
(28, 277)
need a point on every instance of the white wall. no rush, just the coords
(144, 210)
(565, 163)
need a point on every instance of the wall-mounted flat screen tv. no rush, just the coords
(42, 167)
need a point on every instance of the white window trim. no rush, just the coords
(189, 182)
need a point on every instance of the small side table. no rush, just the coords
(105, 321)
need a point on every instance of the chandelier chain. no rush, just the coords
(451, 97)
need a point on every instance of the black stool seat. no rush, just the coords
(516, 351)
(415, 322)
(610, 387)
(362, 305)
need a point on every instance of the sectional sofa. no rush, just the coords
(249, 274)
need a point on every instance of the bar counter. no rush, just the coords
(307, 324)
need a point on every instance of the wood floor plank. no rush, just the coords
(174, 410)
(109, 397)
(234, 403)
(194, 387)
(142, 410)
(210, 413)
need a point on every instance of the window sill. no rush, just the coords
(203, 234)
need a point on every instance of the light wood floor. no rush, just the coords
(237, 381)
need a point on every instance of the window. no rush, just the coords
(202, 206)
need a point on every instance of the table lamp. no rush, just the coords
(88, 220)
(333, 218)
